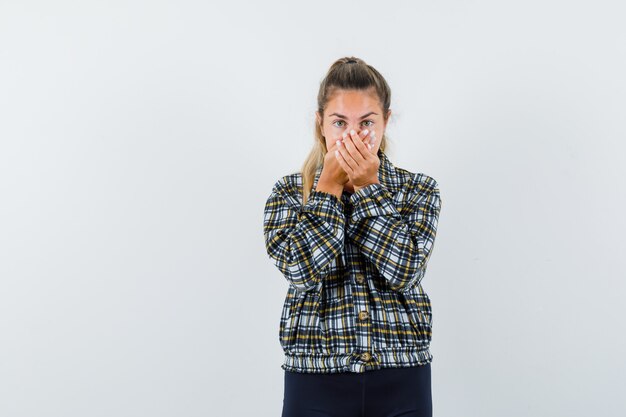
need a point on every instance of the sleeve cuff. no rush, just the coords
(323, 204)
(372, 201)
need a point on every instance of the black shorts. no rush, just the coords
(386, 392)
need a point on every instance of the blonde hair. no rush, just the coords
(348, 73)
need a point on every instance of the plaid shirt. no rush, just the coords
(354, 266)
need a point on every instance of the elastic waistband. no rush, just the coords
(392, 357)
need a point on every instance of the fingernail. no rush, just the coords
(365, 132)
(369, 145)
(345, 134)
(338, 142)
(352, 132)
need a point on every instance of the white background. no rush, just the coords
(139, 141)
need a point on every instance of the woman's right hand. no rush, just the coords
(332, 170)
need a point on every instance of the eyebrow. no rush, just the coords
(344, 117)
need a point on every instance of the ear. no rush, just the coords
(318, 120)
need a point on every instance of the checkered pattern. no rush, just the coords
(354, 266)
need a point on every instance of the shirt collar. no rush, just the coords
(387, 174)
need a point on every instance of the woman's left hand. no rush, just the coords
(357, 159)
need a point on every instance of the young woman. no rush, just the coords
(352, 234)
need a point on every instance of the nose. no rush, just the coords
(357, 129)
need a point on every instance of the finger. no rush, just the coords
(349, 145)
(342, 162)
(366, 135)
(347, 157)
(369, 139)
(357, 148)
(335, 144)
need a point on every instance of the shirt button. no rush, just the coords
(360, 278)
(366, 356)
(363, 315)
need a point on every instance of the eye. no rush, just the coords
(371, 122)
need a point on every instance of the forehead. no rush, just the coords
(353, 102)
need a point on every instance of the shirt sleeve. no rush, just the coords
(397, 237)
(303, 240)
